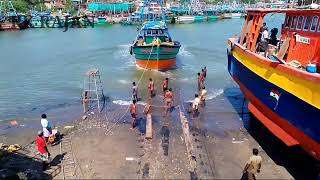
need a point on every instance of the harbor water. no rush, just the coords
(42, 70)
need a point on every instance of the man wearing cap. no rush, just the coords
(42, 149)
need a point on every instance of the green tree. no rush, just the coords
(21, 6)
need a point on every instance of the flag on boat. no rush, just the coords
(275, 94)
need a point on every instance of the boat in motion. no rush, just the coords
(154, 47)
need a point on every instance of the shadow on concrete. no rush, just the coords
(296, 161)
(20, 166)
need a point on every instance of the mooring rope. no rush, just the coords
(145, 68)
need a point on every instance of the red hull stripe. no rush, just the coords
(258, 107)
(273, 127)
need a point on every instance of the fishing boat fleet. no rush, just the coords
(280, 77)
(104, 15)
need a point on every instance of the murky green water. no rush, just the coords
(42, 69)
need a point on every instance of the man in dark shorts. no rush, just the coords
(134, 91)
(151, 87)
(133, 112)
(165, 86)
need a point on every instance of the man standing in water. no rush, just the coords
(151, 87)
(165, 85)
(203, 96)
(200, 82)
(253, 165)
(133, 112)
(134, 91)
(195, 105)
(168, 98)
(204, 72)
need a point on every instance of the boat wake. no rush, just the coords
(127, 103)
(184, 53)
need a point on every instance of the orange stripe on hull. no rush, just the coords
(156, 64)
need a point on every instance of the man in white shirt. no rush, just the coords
(195, 105)
(46, 126)
(253, 165)
(264, 41)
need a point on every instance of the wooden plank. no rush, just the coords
(149, 126)
(188, 141)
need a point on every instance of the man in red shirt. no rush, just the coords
(151, 87)
(42, 149)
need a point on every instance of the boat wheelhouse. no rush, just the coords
(282, 84)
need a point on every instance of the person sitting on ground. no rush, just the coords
(43, 150)
(168, 97)
(46, 127)
(195, 105)
(151, 87)
(203, 96)
(253, 165)
(165, 85)
(135, 91)
(133, 112)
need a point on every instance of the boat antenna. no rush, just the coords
(141, 13)
(162, 11)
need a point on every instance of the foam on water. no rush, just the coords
(184, 53)
(127, 103)
(122, 81)
(212, 94)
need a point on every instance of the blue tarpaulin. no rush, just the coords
(109, 7)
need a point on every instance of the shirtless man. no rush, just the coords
(133, 112)
(134, 91)
(165, 85)
(168, 98)
(151, 87)
(200, 82)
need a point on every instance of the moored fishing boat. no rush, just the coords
(184, 19)
(154, 48)
(283, 88)
(101, 22)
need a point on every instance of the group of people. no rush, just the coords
(44, 137)
(200, 97)
(167, 97)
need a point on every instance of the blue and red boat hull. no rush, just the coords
(290, 118)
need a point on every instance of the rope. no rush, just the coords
(144, 70)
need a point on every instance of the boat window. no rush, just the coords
(307, 23)
(148, 32)
(293, 22)
(314, 23)
(288, 21)
(300, 20)
(154, 32)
